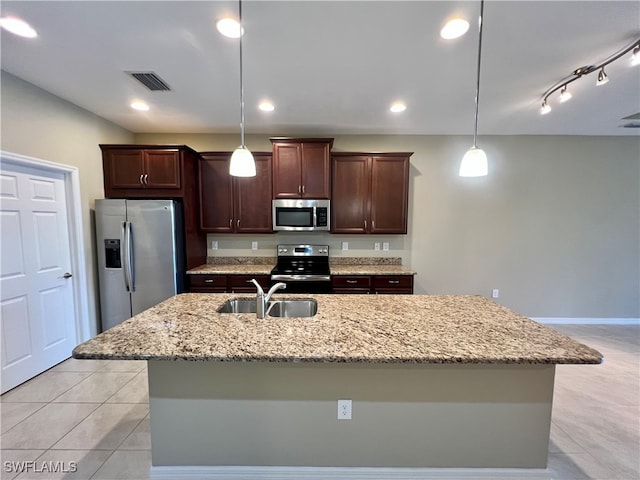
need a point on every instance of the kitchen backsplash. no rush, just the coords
(360, 246)
(219, 260)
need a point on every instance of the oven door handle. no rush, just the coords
(301, 278)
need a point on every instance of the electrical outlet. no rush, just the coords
(254, 245)
(495, 293)
(345, 245)
(385, 246)
(214, 245)
(344, 409)
(376, 246)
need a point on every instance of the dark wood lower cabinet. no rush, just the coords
(380, 284)
(219, 283)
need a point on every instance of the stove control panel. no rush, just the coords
(303, 250)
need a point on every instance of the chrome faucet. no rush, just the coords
(262, 299)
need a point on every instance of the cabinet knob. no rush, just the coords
(352, 281)
(209, 280)
(394, 281)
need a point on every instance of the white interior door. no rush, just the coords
(38, 325)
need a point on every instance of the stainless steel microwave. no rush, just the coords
(301, 215)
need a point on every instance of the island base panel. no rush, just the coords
(261, 414)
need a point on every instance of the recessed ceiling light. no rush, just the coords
(454, 28)
(18, 27)
(139, 105)
(397, 107)
(266, 106)
(229, 27)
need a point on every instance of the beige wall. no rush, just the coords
(38, 124)
(555, 226)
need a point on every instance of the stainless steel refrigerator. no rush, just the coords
(140, 250)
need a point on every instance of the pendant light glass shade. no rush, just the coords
(242, 163)
(474, 163)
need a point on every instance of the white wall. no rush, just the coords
(555, 226)
(38, 124)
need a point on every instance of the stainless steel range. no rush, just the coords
(304, 268)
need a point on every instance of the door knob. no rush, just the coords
(67, 275)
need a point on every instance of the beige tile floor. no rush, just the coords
(95, 413)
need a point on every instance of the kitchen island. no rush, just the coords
(435, 381)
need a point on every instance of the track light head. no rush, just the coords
(602, 77)
(564, 94)
(545, 108)
(635, 57)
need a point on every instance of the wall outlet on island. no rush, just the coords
(214, 245)
(254, 245)
(344, 409)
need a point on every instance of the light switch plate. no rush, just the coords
(385, 246)
(214, 245)
(376, 246)
(345, 245)
(254, 245)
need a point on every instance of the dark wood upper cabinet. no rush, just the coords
(141, 169)
(158, 171)
(234, 204)
(301, 167)
(370, 193)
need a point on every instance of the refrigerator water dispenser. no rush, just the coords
(112, 253)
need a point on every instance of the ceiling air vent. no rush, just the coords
(152, 81)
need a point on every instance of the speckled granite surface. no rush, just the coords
(226, 269)
(442, 329)
(338, 266)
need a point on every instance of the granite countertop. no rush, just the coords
(338, 266)
(430, 329)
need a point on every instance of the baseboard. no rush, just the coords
(343, 473)
(587, 321)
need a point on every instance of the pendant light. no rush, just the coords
(242, 163)
(474, 162)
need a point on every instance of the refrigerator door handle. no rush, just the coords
(129, 279)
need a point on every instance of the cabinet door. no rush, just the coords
(350, 194)
(162, 169)
(286, 170)
(389, 194)
(315, 170)
(253, 199)
(216, 194)
(123, 169)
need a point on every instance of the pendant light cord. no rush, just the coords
(480, 21)
(241, 82)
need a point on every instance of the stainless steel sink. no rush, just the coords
(299, 307)
(239, 305)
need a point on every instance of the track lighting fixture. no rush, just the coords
(602, 77)
(586, 70)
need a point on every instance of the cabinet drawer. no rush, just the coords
(241, 283)
(351, 281)
(393, 281)
(208, 281)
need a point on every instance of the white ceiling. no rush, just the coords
(333, 67)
